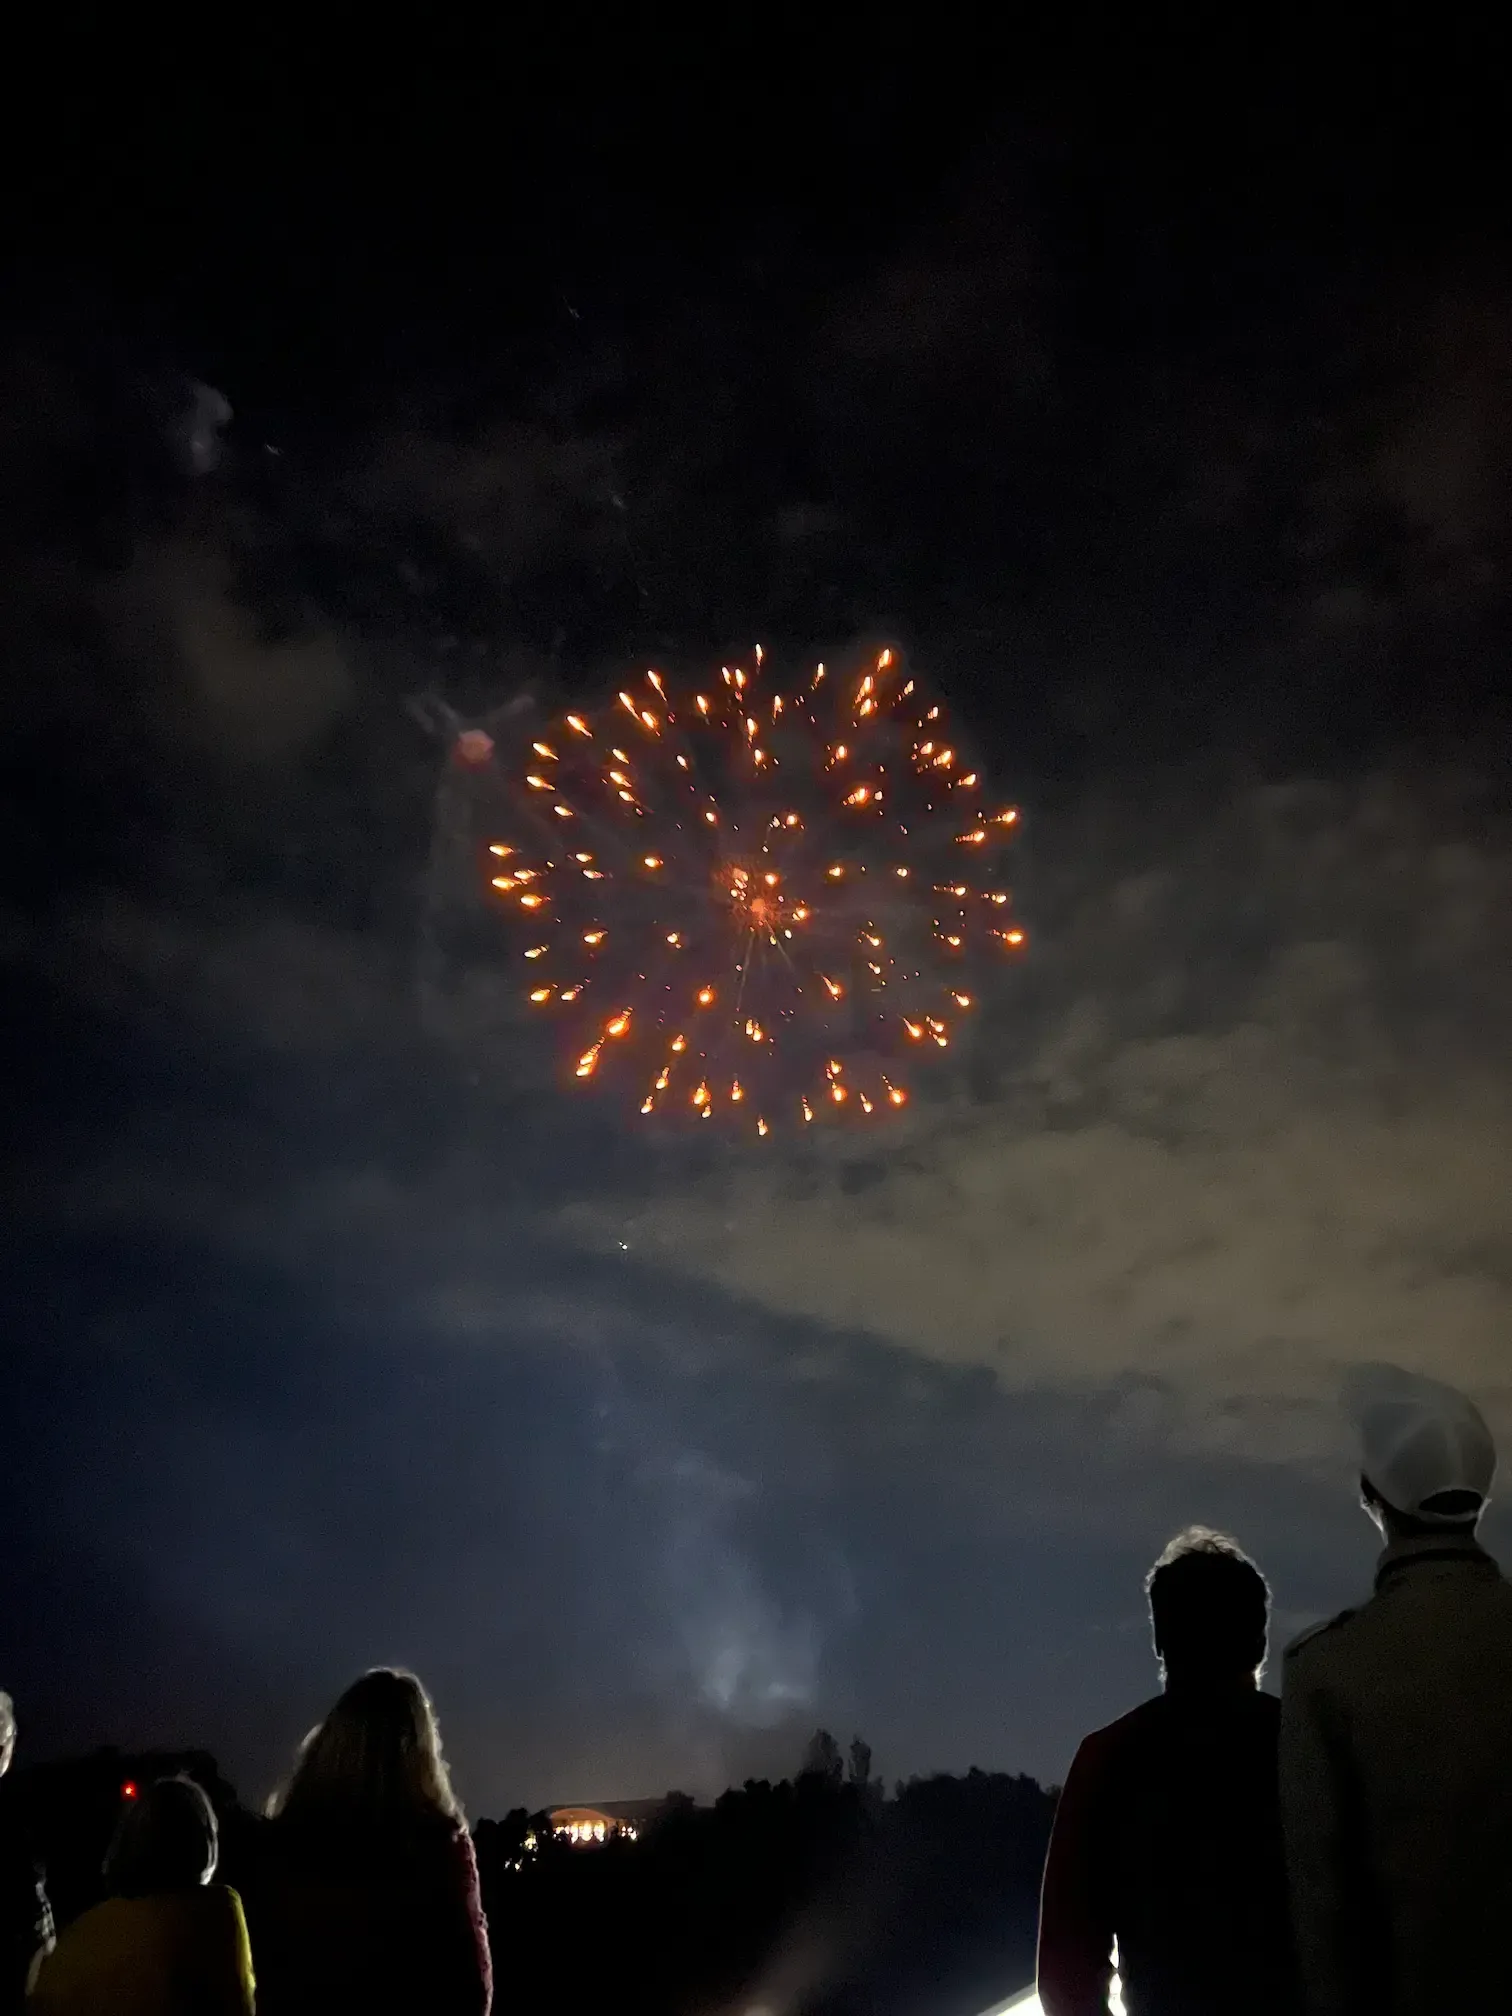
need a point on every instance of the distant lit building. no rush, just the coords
(608, 1820)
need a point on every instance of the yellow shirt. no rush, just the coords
(184, 1953)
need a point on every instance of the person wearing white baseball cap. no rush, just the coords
(1396, 1732)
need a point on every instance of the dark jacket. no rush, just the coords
(1396, 1780)
(25, 1918)
(1167, 1839)
(373, 1922)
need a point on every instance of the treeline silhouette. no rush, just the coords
(822, 1893)
(826, 1893)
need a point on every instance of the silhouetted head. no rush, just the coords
(7, 1733)
(167, 1839)
(376, 1758)
(1427, 1460)
(1209, 1610)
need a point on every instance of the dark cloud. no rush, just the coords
(1251, 1126)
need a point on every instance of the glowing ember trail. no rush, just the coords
(769, 908)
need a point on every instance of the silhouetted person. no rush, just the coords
(367, 1899)
(26, 1926)
(1167, 1838)
(166, 1941)
(1396, 1744)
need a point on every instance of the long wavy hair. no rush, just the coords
(375, 1760)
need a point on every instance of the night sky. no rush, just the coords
(1158, 399)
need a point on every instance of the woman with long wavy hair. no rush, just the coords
(367, 1897)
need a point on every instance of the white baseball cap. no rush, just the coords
(1420, 1440)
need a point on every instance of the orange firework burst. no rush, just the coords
(767, 906)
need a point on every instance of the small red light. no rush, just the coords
(129, 1789)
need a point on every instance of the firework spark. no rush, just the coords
(753, 906)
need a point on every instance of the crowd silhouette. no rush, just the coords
(1346, 1848)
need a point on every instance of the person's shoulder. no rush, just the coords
(426, 1843)
(1318, 1638)
(105, 1928)
(221, 1903)
(110, 1910)
(99, 1917)
(1102, 1746)
(295, 1849)
(182, 1910)
(433, 1856)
